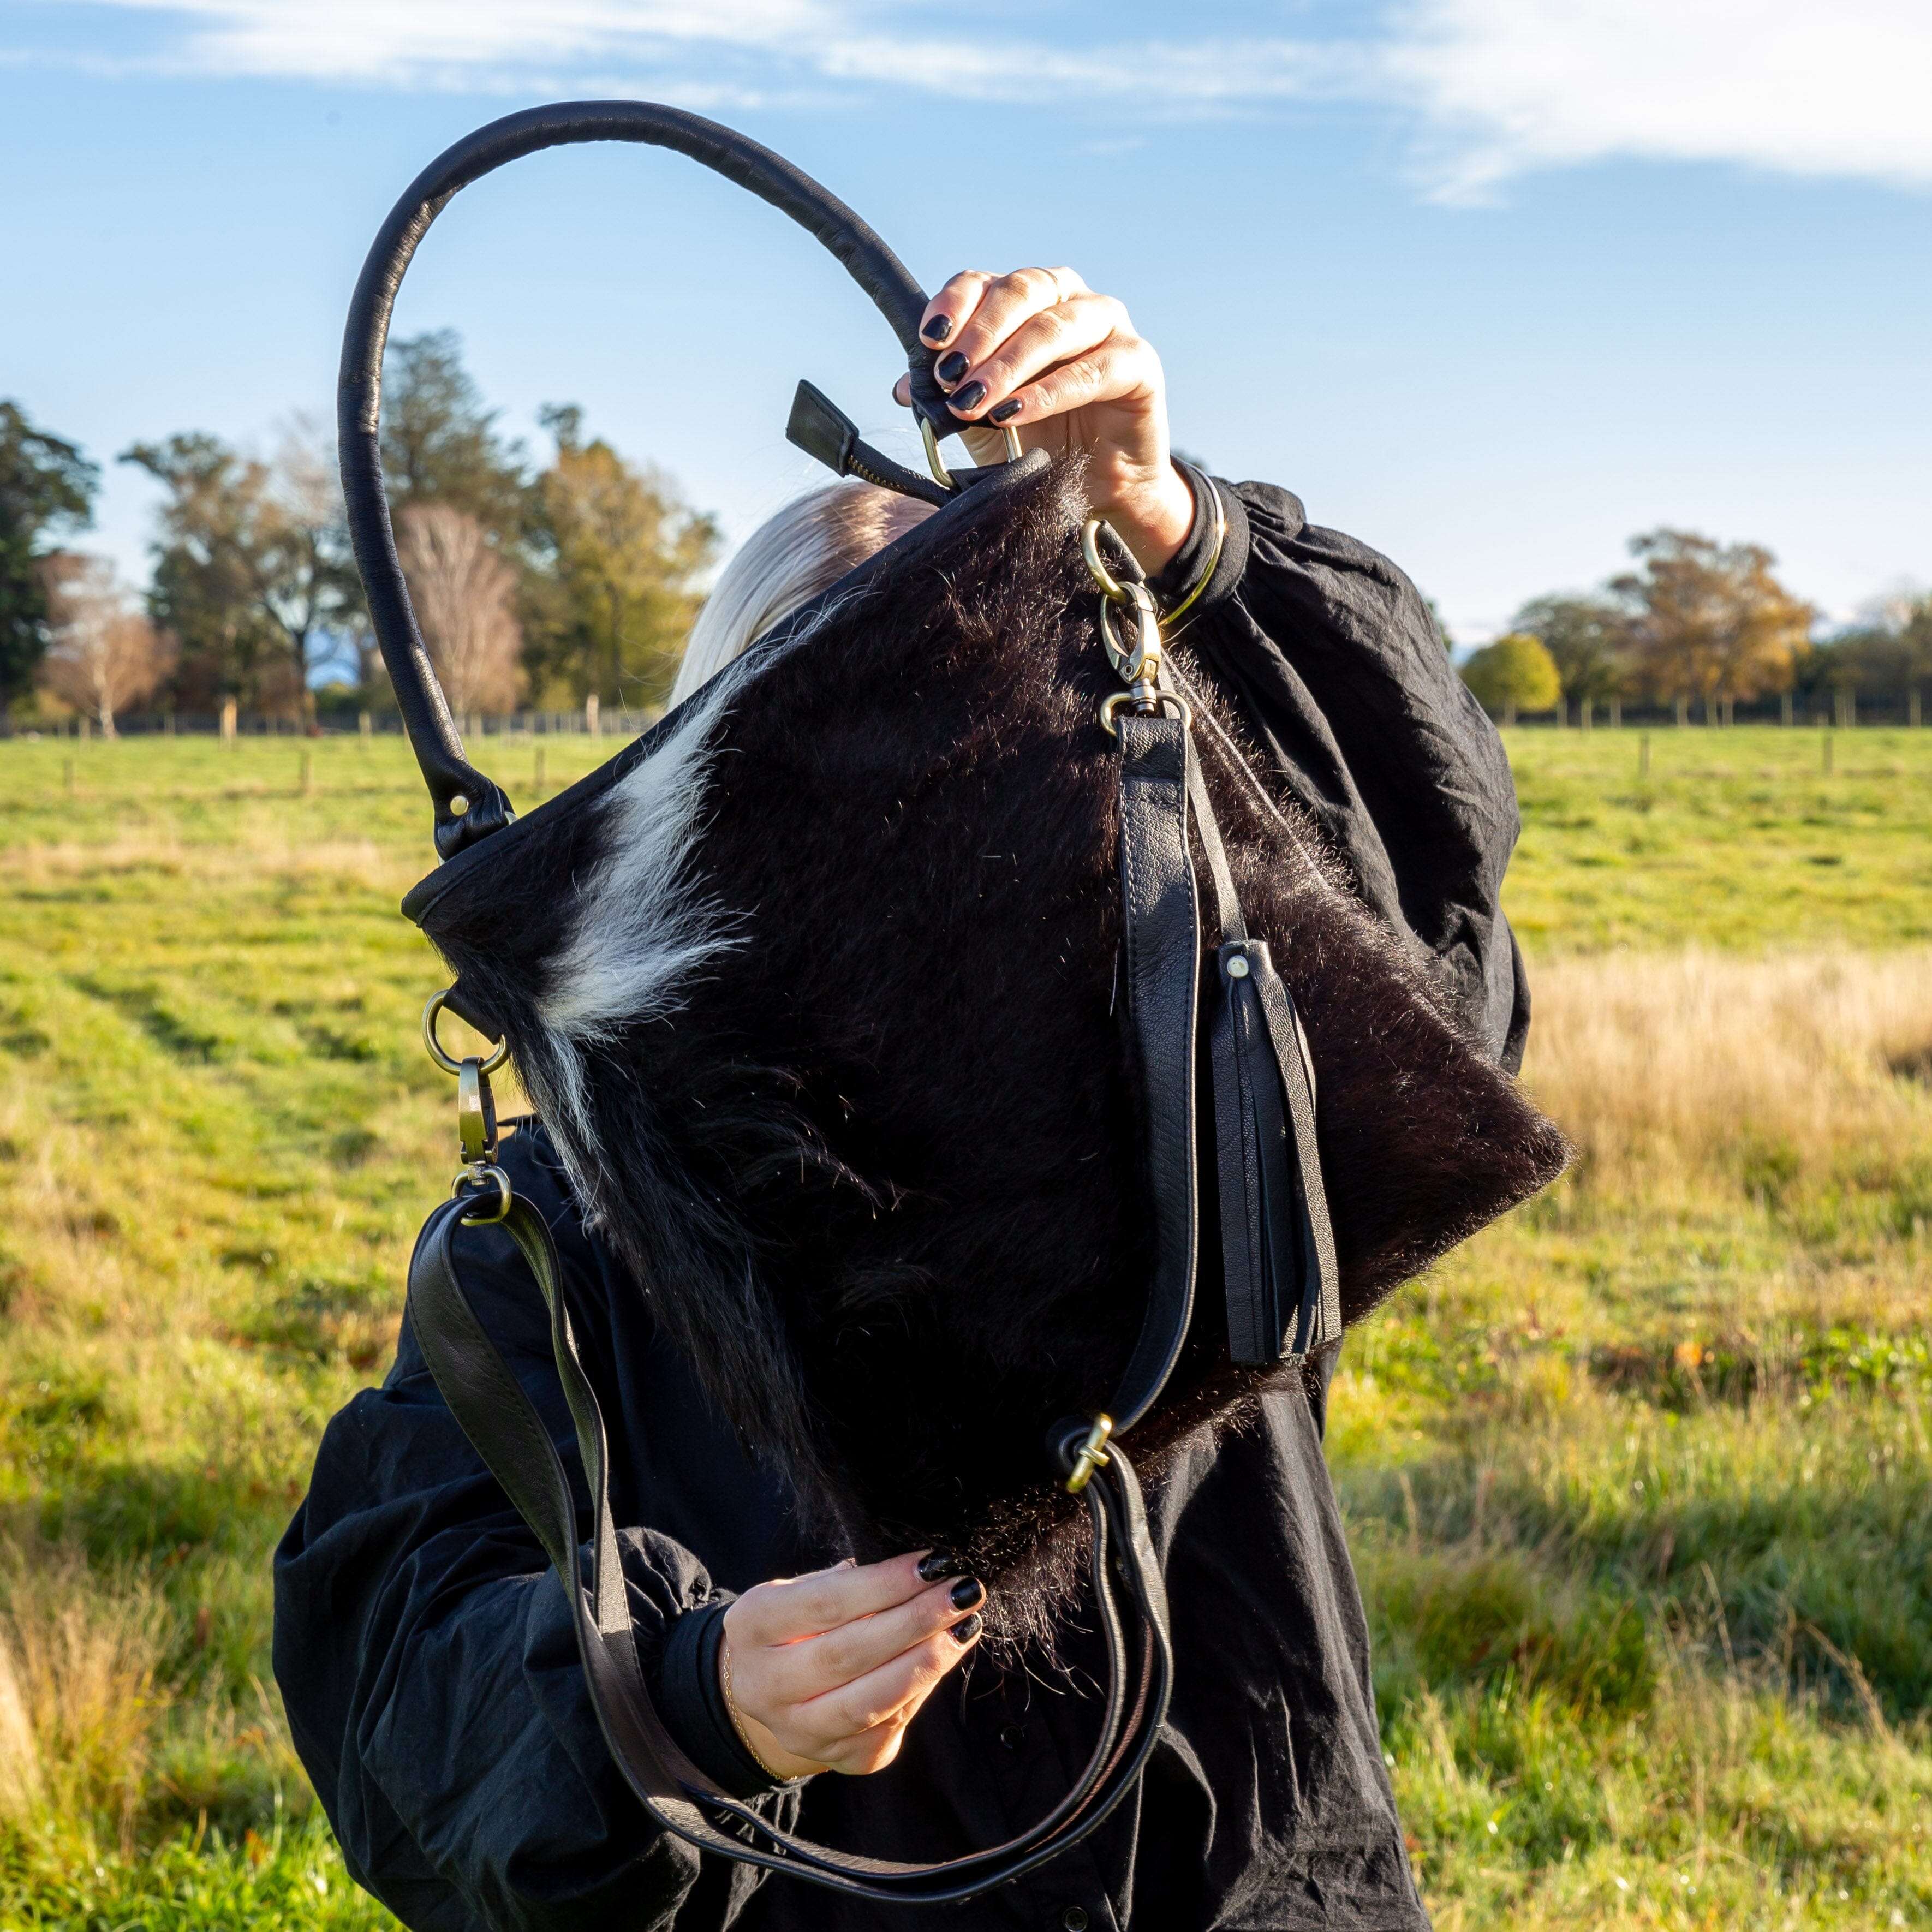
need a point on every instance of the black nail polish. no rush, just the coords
(969, 398)
(938, 1563)
(938, 328)
(950, 368)
(1007, 410)
(967, 1592)
(964, 1634)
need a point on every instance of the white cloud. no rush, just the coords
(1493, 89)
(1503, 87)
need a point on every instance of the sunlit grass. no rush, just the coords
(1638, 1482)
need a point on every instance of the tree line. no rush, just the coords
(1699, 622)
(542, 583)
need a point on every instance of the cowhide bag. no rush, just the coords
(871, 1002)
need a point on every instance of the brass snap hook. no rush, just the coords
(1143, 661)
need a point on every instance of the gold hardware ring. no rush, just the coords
(437, 1052)
(936, 463)
(1111, 588)
(475, 1176)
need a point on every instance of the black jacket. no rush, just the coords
(424, 1651)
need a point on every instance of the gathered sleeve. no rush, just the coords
(427, 1660)
(1339, 671)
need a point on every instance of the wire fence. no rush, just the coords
(588, 721)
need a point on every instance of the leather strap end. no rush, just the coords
(820, 428)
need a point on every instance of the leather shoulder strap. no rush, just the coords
(505, 1429)
(1162, 935)
(483, 808)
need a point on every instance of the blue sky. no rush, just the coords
(1491, 284)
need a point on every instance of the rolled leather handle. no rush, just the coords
(469, 806)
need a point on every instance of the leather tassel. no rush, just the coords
(1279, 1252)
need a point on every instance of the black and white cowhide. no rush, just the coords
(814, 987)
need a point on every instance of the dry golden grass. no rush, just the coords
(1656, 1065)
(79, 1703)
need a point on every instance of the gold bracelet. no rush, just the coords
(738, 1716)
(1207, 576)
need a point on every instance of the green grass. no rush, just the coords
(1639, 1482)
(1733, 838)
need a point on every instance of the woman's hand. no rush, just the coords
(826, 1672)
(1037, 352)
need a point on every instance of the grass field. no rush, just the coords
(1638, 1482)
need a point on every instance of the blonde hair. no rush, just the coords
(786, 561)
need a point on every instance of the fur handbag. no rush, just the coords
(920, 1010)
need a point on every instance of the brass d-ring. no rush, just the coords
(436, 1050)
(936, 463)
(477, 1176)
(1112, 706)
(1111, 588)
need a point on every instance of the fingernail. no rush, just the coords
(964, 1634)
(938, 328)
(969, 398)
(1007, 410)
(950, 368)
(938, 1563)
(967, 1591)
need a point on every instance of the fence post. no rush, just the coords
(1683, 712)
(1912, 707)
(1616, 714)
(593, 721)
(228, 721)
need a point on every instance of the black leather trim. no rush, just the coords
(1163, 954)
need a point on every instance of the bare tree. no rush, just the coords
(464, 593)
(103, 655)
(252, 569)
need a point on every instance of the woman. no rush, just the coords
(427, 1657)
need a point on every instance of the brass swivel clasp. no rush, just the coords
(476, 1115)
(1136, 659)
